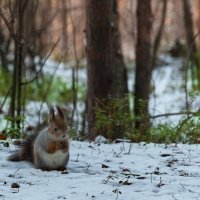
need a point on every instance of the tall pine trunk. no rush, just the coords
(16, 92)
(191, 44)
(120, 81)
(106, 69)
(143, 65)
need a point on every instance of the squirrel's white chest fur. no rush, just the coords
(53, 160)
(56, 159)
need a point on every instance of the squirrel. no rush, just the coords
(48, 149)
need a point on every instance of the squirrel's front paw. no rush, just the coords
(63, 146)
(52, 147)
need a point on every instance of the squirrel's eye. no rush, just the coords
(55, 129)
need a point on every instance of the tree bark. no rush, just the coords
(158, 36)
(106, 69)
(99, 52)
(20, 57)
(120, 82)
(16, 94)
(3, 51)
(143, 65)
(46, 19)
(64, 20)
(191, 43)
(189, 26)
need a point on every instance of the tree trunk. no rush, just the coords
(3, 52)
(64, 19)
(120, 82)
(45, 27)
(191, 43)
(20, 56)
(16, 94)
(29, 34)
(189, 26)
(158, 36)
(99, 52)
(106, 69)
(143, 65)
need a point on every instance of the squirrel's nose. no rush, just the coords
(64, 136)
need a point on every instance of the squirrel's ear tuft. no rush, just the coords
(60, 112)
(51, 113)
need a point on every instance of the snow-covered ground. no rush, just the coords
(122, 171)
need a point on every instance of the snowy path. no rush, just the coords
(108, 171)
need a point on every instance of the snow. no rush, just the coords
(100, 171)
(123, 171)
(169, 95)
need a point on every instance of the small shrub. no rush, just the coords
(113, 118)
(12, 130)
(186, 131)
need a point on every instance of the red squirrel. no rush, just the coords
(48, 149)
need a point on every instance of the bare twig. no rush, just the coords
(45, 60)
(116, 155)
(150, 156)
(48, 23)
(8, 24)
(17, 170)
(160, 184)
(87, 168)
(182, 185)
(6, 97)
(110, 176)
(174, 197)
(117, 191)
(48, 88)
(77, 158)
(130, 148)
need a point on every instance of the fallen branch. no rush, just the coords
(174, 114)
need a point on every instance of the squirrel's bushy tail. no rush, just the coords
(15, 157)
(25, 151)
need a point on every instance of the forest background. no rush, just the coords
(107, 41)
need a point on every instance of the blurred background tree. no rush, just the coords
(109, 39)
